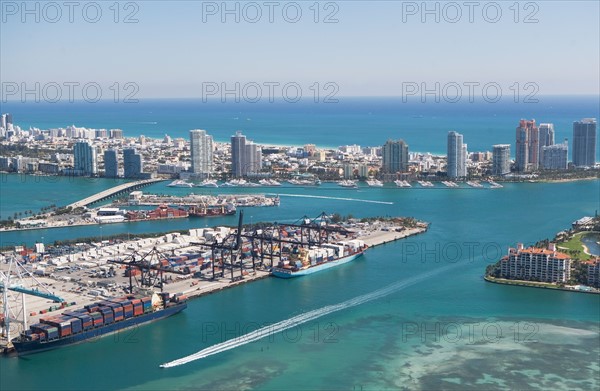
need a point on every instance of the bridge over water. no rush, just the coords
(114, 191)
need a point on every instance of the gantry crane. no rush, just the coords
(15, 280)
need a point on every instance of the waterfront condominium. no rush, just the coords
(84, 159)
(536, 264)
(133, 166)
(201, 145)
(246, 157)
(584, 142)
(593, 270)
(111, 166)
(555, 157)
(395, 157)
(457, 156)
(501, 159)
(527, 146)
(546, 132)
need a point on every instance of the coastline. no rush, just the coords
(532, 284)
(196, 288)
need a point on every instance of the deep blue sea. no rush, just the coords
(363, 121)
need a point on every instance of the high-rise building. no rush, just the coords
(3, 121)
(201, 146)
(84, 158)
(246, 157)
(501, 159)
(536, 264)
(395, 157)
(111, 165)
(116, 133)
(546, 138)
(100, 133)
(133, 166)
(556, 156)
(584, 142)
(457, 156)
(527, 146)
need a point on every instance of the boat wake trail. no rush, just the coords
(303, 318)
(335, 198)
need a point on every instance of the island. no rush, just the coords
(564, 263)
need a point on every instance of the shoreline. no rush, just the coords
(530, 284)
(196, 288)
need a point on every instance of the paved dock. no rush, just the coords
(379, 237)
(192, 287)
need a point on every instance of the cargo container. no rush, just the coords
(138, 309)
(76, 325)
(95, 320)
(92, 307)
(132, 272)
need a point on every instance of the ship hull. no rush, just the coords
(29, 347)
(287, 273)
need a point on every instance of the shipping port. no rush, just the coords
(167, 207)
(204, 261)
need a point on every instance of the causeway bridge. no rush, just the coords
(114, 191)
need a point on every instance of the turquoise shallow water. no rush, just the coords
(451, 331)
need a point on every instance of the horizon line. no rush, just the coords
(413, 99)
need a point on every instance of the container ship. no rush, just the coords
(302, 262)
(95, 320)
(214, 210)
(162, 212)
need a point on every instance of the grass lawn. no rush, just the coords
(575, 244)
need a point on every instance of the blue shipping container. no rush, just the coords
(76, 325)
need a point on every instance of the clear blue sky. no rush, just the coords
(370, 51)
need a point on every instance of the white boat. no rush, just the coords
(180, 183)
(208, 183)
(304, 182)
(269, 182)
(475, 184)
(348, 183)
(425, 184)
(239, 183)
(374, 183)
(400, 183)
(450, 184)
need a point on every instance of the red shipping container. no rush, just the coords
(128, 307)
(136, 301)
(138, 310)
(64, 331)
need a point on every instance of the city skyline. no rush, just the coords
(201, 149)
(170, 164)
(584, 142)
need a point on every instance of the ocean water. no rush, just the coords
(451, 330)
(363, 121)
